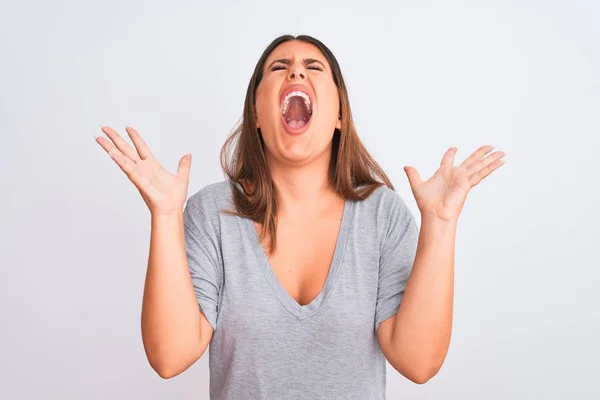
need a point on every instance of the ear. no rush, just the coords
(338, 123)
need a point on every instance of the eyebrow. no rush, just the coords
(306, 62)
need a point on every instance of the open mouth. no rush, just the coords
(296, 109)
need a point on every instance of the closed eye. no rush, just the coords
(279, 67)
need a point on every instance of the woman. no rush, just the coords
(304, 270)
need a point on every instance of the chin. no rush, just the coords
(296, 149)
(303, 148)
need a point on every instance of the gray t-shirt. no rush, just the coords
(265, 344)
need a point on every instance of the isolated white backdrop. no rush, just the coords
(523, 76)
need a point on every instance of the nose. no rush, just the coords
(296, 71)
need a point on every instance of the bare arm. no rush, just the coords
(416, 340)
(174, 331)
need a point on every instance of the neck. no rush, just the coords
(302, 190)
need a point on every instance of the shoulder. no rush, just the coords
(207, 202)
(383, 203)
(211, 197)
(384, 212)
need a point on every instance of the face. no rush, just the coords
(297, 104)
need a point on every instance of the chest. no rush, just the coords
(304, 254)
(315, 282)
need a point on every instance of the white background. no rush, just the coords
(523, 76)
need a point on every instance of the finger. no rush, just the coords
(448, 158)
(127, 166)
(413, 176)
(477, 155)
(108, 146)
(478, 176)
(121, 144)
(485, 162)
(183, 170)
(123, 162)
(139, 143)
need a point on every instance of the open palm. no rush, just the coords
(162, 191)
(444, 194)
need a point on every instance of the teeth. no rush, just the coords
(286, 101)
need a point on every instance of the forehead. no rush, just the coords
(296, 49)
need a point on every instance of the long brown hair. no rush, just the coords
(244, 161)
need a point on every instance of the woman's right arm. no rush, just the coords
(175, 333)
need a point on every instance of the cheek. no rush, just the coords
(265, 102)
(331, 103)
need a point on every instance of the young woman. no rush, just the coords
(304, 270)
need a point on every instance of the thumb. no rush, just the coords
(413, 176)
(183, 170)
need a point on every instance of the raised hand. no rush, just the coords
(444, 194)
(163, 192)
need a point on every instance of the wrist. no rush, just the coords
(433, 219)
(167, 217)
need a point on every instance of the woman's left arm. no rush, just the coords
(415, 341)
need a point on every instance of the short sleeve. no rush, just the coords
(396, 256)
(203, 252)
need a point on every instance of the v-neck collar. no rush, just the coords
(290, 304)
